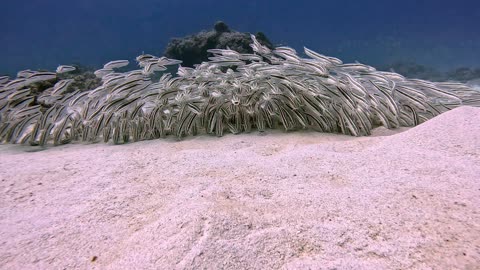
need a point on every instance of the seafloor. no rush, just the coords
(408, 199)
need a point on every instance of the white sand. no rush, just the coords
(292, 201)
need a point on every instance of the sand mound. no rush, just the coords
(286, 200)
(457, 128)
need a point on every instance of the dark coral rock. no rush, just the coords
(414, 70)
(83, 79)
(193, 49)
(221, 27)
(464, 74)
(39, 87)
(417, 71)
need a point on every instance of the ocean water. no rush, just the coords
(41, 34)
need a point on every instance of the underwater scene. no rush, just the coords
(183, 69)
(180, 134)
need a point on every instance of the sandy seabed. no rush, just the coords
(404, 199)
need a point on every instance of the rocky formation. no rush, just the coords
(418, 71)
(193, 49)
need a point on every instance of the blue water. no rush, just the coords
(40, 34)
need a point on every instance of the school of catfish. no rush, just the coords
(232, 92)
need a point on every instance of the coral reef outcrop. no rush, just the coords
(193, 49)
